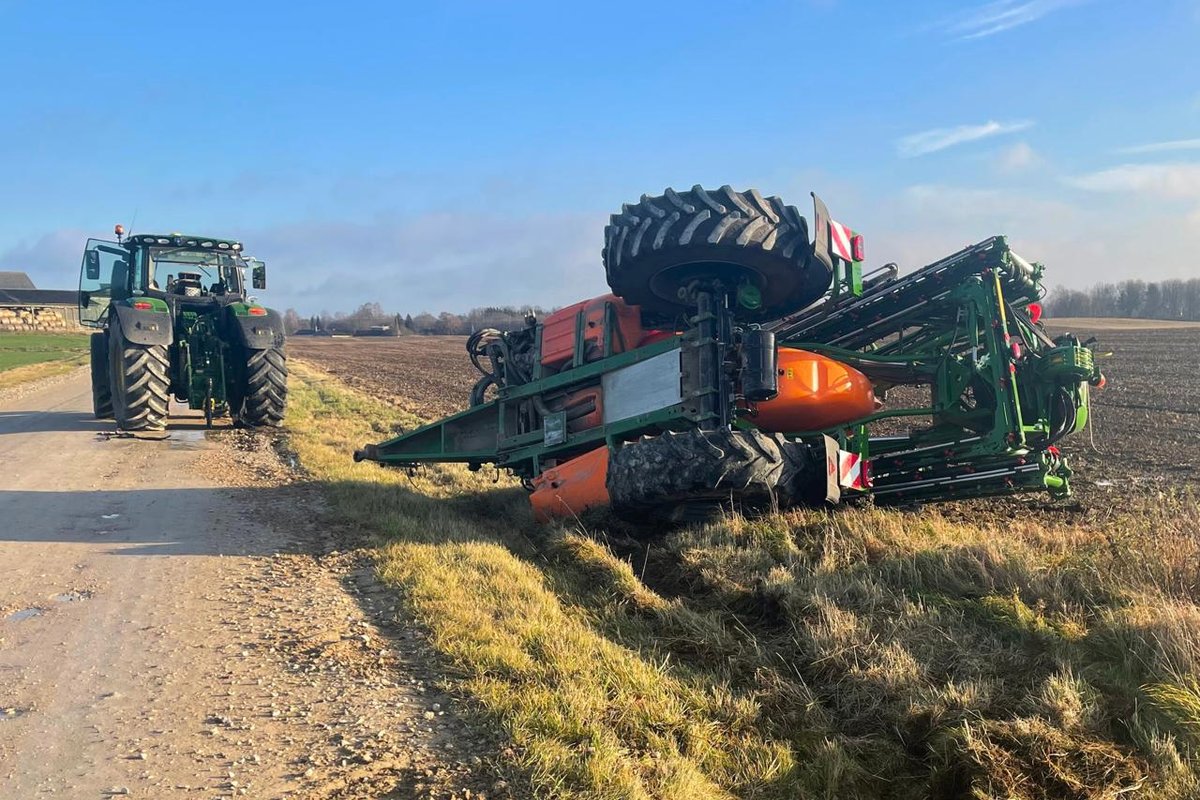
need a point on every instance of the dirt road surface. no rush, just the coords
(177, 621)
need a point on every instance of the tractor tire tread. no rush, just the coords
(142, 398)
(266, 388)
(102, 401)
(723, 226)
(689, 475)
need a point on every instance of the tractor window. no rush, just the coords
(103, 277)
(196, 273)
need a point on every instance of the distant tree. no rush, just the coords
(292, 321)
(1131, 297)
(424, 323)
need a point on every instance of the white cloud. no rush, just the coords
(986, 211)
(1000, 16)
(935, 139)
(409, 263)
(1169, 181)
(433, 261)
(1077, 241)
(1162, 147)
(52, 259)
(1018, 157)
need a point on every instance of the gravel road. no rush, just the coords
(177, 620)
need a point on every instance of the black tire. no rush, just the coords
(102, 404)
(692, 475)
(660, 244)
(261, 398)
(140, 383)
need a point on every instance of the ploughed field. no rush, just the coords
(429, 375)
(1145, 426)
(1146, 421)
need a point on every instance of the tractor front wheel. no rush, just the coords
(691, 475)
(261, 397)
(140, 383)
(102, 403)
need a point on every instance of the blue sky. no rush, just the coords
(440, 156)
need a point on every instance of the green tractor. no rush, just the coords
(174, 318)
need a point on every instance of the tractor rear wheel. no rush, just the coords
(656, 247)
(691, 475)
(261, 397)
(102, 404)
(140, 383)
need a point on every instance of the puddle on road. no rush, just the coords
(24, 614)
(185, 439)
(71, 596)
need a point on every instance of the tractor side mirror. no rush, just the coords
(258, 276)
(92, 268)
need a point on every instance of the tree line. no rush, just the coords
(372, 319)
(1168, 299)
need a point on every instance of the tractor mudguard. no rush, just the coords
(256, 331)
(145, 327)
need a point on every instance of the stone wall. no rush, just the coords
(42, 320)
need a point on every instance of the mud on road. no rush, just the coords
(179, 619)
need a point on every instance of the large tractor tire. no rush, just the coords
(102, 404)
(141, 383)
(261, 398)
(692, 475)
(656, 247)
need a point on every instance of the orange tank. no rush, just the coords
(571, 487)
(558, 330)
(815, 393)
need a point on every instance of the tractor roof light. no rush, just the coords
(119, 229)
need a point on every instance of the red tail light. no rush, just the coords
(142, 305)
(1035, 312)
(858, 248)
(257, 311)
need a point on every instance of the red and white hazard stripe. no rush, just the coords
(839, 241)
(851, 474)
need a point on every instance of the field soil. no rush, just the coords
(430, 375)
(177, 619)
(1145, 428)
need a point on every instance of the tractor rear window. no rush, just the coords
(195, 272)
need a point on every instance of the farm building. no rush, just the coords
(24, 307)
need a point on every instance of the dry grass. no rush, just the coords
(16, 376)
(856, 654)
